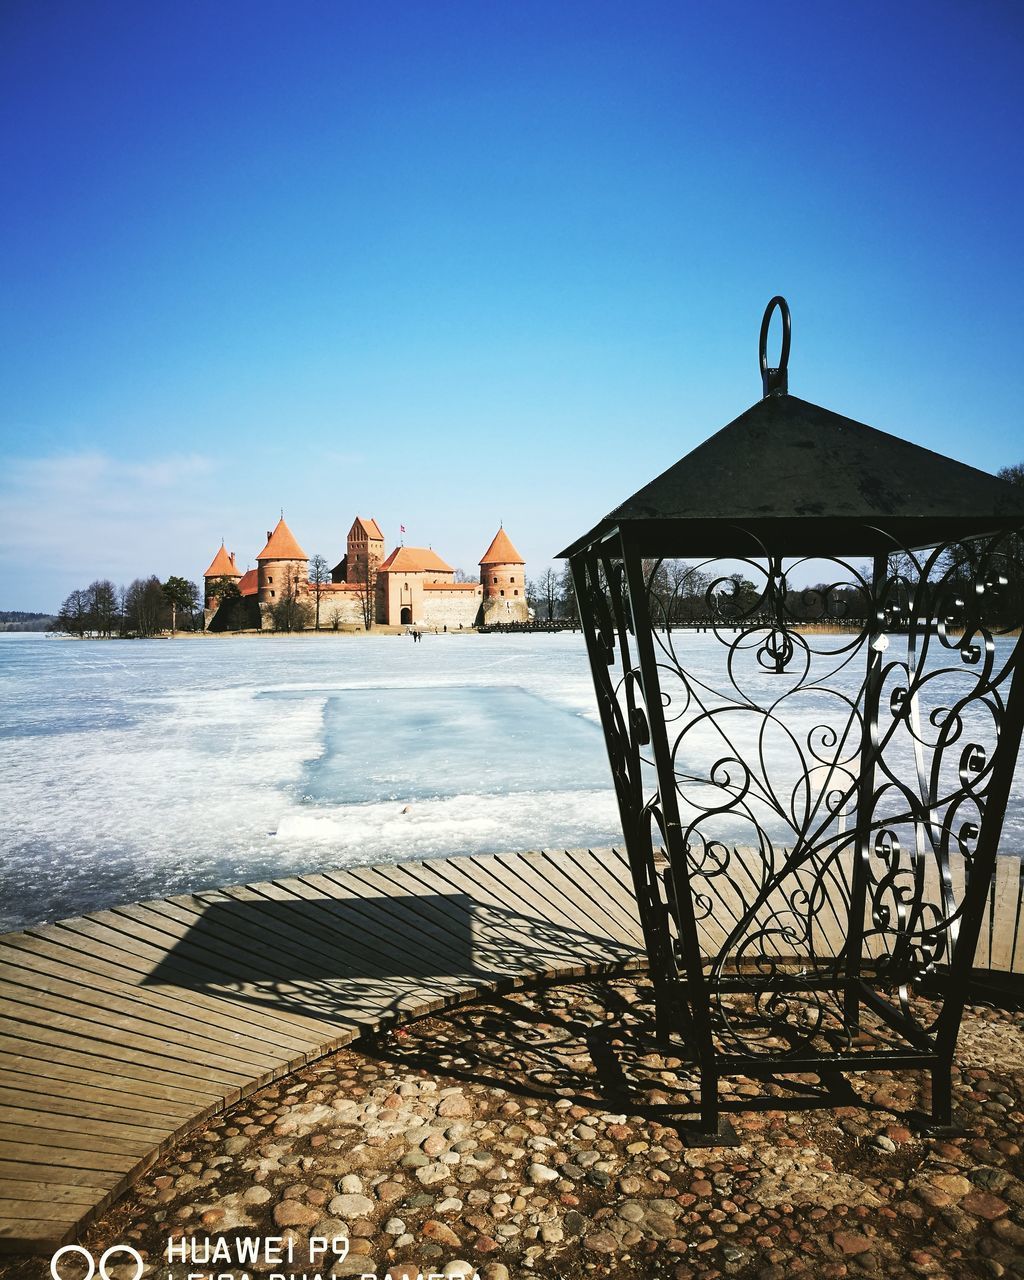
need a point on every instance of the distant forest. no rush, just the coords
(16, 620)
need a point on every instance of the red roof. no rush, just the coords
(371, 528)
(248, 584)
(282, 545)
(501, 551)
(222, 566)
(415, 560)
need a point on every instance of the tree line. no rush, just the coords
(20, 620)
(144, 607)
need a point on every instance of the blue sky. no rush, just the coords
(447, 264)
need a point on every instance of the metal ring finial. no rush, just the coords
(775, 381)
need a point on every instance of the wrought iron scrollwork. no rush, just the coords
(832, 789)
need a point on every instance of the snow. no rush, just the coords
(140, 769)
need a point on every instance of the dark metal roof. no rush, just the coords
(805, 479)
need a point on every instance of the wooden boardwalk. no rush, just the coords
(126, 1028)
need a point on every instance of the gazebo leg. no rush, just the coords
(709, 1114)
(942, 1096)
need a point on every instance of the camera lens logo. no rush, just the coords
(71, 1273)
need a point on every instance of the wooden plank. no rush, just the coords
(585, 945)
(337, 906)
(52, 1060)
(495, 941)
(28, 1119)
(95, 973)
(25, 1235)
(1005, 887)
(15, 1099)
(82, 937)
(441, 925)
(365, 951)
(53, 1192)
(384, 987)
(66, 1033)
(519, 876)
(51, 1146)
(96, 1024)
(1017, 954)
(607, 878)
(59, 994)
(77, 1089)
(96, 1181)
(402, 899)
(550, 877)
(86, 1159)
(239, 951)
(512, 931)
(55, 1211)
(241, 995)
(281, 939)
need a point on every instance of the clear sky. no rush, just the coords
(447, 264)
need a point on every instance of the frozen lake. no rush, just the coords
(144, 768)
(138, 769)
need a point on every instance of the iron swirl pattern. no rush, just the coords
(826, 758)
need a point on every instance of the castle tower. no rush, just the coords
(364, 552)
(281, 564)
(222, 566)
(503, 577)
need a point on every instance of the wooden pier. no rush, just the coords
(126, 1028)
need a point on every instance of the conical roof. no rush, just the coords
(805, 479)
(222, 566)
(501, 551)
(282, 545)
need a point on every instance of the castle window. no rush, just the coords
(270, 579)
(495, 581)
(503, 592)
(512, 579)
(515, 593)
(272, 595)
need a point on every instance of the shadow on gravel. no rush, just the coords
(592, 1044)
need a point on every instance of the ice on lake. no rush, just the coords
(146, 768)
(141, 769)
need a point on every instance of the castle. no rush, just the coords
(412, 586)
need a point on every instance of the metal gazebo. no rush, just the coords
(812, 723)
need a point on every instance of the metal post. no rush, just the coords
(869, 751)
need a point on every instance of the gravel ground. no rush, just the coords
(533, 1135)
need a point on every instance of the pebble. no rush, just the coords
(427, 1156)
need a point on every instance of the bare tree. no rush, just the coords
(543, 594)
(146, 606)
(291, 612)
(367, 590)
(74, 616)
(567, 606)
(102, 597)
(319, 577)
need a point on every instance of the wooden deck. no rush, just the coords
(126, 1028)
